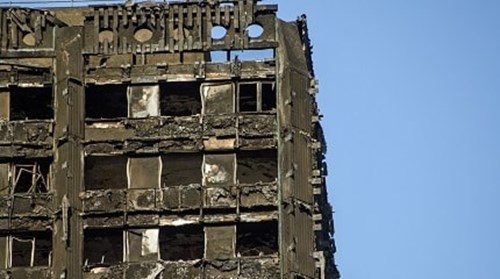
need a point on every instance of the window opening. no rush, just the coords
(257, 239)
(105, 172)
(31, 177)
(143, 101)
(218, 98)
(248, 97)
(218, 169)
(181, 169)
(103, 246)
(256, 97)
(31, 103)
(106, 101)
(180, 99)
(182, 243)
(257, 166)
(31, 249)
(268, 96)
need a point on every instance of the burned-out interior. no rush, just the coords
(105, 172)
(103, 246)
(181, 169)
(31, 176)
(182, 242)
(268, 96)
(257, 239)
(106, 101)
(256, 96)
(31, 103)
(257, 166)
(248, 97)
(180, 98)
(31, 249)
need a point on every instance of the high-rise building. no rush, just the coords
(170, 140)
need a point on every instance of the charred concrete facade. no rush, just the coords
(175, 140)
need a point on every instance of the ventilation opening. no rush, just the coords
(182, 243)
(31, 176)
(106, 101)
(181, 169)
(31, 103)
(105, 172)
(218, 32)
(143, 34)
(248, 97)
(180, 99)
(255, 30)
(106, 36)
(257, 239)
(268, 97)
(31, 249)
(252, 54)
(257, 166)
(103, 247)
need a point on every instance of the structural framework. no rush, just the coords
(177, 140)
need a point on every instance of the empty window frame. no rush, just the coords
(105, 172)
(257, 166)
(31, 103)
(142, 245)
(180, 98)
(143, 101)
(103, 246)
(181, 169)
(182, 242)
(256, 96)
(257, 239)
(144, 172)
(106, 101)
(28, 249)
(220, 242)
(219, 169)
(218, 98)
(30, 176)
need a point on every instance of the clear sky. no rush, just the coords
(410, 91)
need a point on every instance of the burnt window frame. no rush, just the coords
(102, 87)
(200, 231)
(9, 253)
(124, 257)
(121, 158)
(36, 165)
(166, 89)
(249, 226)
(11, 91)
(259, 93)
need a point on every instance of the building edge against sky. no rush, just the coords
(168, 140)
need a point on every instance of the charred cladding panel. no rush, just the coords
(160, 140)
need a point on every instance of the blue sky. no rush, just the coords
(410, 91)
